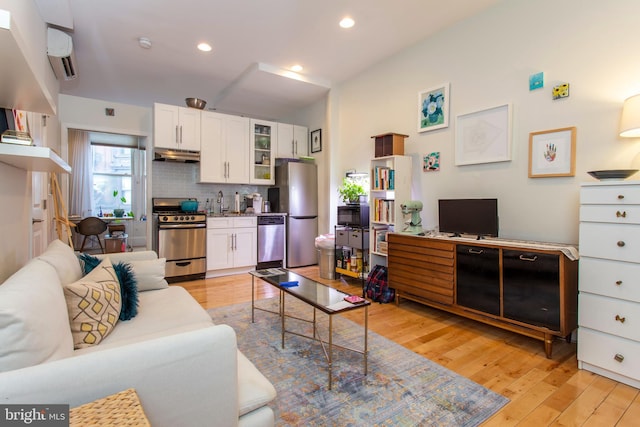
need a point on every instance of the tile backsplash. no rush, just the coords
(172, 179)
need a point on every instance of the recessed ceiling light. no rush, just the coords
(347, 22)
(297, 68)
(144, 42)
(205, 47)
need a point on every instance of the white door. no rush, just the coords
(245, 247)
(286, 146)
(301, 141)
(213, 162)
(189, 129)
(219, 253)
(238, 156)
(165, 126)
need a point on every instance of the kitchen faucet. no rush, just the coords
(220, 200)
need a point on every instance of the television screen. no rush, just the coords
(468, 216)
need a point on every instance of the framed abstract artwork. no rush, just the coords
(552, 153)
(484, 136)
(433, 108)
(316, 141)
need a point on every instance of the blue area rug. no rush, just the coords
(402, 388)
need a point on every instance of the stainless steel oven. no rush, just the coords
(181, 238)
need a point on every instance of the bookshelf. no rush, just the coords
(390, 187)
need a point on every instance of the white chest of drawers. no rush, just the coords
(609, 280)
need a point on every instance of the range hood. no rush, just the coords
(168, 155)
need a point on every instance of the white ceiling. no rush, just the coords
(253, 42)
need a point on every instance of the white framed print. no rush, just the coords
(484, 136)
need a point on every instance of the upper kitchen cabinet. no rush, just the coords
(293, 141)
(263, 141)
(28, 82)
(225, 148)
(176, 128)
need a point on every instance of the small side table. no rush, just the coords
(115, 243)
(119, 409)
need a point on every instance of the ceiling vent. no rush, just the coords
(61, 56)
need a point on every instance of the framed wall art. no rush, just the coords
(433, 108)
(552, 153)
(484, 136)
(316, 141)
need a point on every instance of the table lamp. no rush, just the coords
(630, 122)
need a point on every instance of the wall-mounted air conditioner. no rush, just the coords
(61, 56)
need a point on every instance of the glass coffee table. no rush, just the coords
(319, 296)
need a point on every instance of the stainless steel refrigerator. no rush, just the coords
(296, 194)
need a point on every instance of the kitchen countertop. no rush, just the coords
(226, 215)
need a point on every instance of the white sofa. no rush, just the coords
(186, 370)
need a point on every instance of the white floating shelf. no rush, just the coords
(31, 158)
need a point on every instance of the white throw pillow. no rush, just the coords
(34, 324)
(94, 303)
(149, 274)
(64, 260)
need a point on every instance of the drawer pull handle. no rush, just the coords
(620, 196)
(620, 243)
(621, 214)
(618, 282)
(618, 357)
(475, 251)
(524, 258)
(620, 319)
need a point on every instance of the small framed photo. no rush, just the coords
(552, 153)
(316, 141)
(433, 108)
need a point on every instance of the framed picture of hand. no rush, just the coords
(552, 153)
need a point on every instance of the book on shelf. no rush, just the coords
(384, 210)
(383, 178)
(380, 238)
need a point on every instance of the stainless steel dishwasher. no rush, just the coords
(271, 240)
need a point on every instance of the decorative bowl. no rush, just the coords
(196, 103)
(613, 175)
(189, 205)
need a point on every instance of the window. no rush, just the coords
(121, 169)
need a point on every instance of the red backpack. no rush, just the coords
(377, 288)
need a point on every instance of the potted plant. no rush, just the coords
(119, 212)
(350, 191)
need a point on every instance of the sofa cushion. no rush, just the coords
(64, 260)
(254, 390)
(162, 312)
(34, 326)
(94, 304)
(150, 274)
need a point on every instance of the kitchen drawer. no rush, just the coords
(628, 214)
(610, 241)
(610, 195)
(609, 315)
(601, 350)
(615, 279)
(232, 222)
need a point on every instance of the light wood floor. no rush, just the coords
(543, 392)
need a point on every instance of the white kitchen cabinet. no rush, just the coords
(263, 141)
(609, 280)
(231, 245)
(293, 141)
(176, 128)
(225, 149)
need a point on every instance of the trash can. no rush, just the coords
(326, 256)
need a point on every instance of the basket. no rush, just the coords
(117, 410)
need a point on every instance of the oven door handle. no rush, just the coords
(173, 226)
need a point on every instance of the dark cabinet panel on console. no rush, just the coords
(478, 278)
(531, 285)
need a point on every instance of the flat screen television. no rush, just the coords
(478, 217)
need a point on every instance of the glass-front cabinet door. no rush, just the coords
(263, 143)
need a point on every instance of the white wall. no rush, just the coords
(488, 59)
